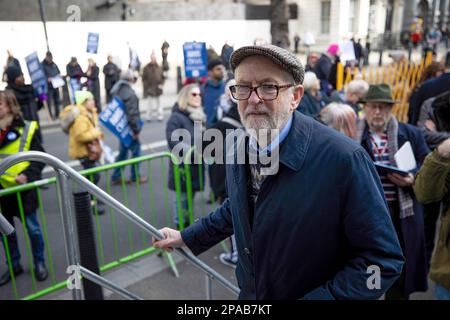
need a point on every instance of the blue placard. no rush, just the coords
(92, 43)
(114, 118)
(195, 59)
(37, 75)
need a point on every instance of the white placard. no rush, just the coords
(347, 51)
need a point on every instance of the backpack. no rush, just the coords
(68, 116)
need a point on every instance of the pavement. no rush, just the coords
(151, 279)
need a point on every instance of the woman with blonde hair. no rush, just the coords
(340, 117)
(186, 112)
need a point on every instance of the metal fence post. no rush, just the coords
(67, 217)
(208, 287)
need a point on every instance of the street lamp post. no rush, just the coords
(41, 9)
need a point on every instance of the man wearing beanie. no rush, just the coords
(212, 89)
(317, 227)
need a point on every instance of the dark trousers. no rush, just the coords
(396, 292)
(135, 149)
(88, 164)
(34, 234)
(431, 215)
(54, 102)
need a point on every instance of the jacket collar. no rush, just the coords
(295, 147)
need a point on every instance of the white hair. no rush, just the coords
(358, 87)
(127, 75)
(310, 80)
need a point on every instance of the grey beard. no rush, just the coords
(6, 121)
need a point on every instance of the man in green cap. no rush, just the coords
(381, 135)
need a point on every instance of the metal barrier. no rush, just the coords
(133, 247)
(66, 174)
(5, 227)
(401, 77)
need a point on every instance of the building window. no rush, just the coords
(353, 16)
(325, 12)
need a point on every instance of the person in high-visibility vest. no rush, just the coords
(18, 135)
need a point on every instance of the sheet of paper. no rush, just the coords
(405, 158)
(57, 82)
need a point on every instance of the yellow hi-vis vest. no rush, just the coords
(22, 143)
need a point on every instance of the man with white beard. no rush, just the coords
(318, 227)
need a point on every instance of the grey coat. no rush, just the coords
(123, 90)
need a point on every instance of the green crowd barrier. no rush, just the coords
(155, 193)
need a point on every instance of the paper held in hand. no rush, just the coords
(57, 82)
(405, 158)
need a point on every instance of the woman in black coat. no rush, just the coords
(186, 111)
(93, 83)
(25, 96)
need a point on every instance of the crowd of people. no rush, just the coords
(272, 242)
(310, 230)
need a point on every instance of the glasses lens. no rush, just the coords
(240, 92)
(194, 94)
(267, 92)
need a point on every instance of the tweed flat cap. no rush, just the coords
(282, 57)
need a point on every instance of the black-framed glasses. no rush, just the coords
(195, 94)
(266, 92)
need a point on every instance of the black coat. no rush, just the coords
(93, 85)
(112, 73)
(180, 120)
(428, 89)
(9, 203)
(217, 172)
(51, 70)
(323, 67)
(74, 71)
(29, 104)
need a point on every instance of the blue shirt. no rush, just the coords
(275, 142)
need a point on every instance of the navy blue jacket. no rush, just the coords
(411, 229)
(319, 223)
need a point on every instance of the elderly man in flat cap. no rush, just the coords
(317, 228)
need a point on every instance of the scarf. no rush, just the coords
(196, 114)
(405, 200)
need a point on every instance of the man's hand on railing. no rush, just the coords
(172, 239)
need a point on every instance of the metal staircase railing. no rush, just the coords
(65, 174)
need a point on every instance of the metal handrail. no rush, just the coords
(63, 173)
(5, 227)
